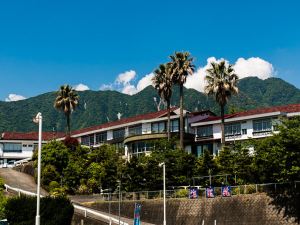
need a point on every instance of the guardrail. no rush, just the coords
(85, 210)
(184, 192)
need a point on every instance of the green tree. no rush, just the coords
(221, 83)
(181, 66)
(204, 166)
(277, 158)
(163, 84)
(67, 100)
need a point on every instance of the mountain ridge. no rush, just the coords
(97, 107)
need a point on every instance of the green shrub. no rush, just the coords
(54, 211)
(182, 193)
(53, 185)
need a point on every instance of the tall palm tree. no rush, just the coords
(162, 82)
(222, 84)
(66, 100)
(181, 66)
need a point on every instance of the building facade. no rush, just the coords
(251, 124)
(15, 146)
(135, 135)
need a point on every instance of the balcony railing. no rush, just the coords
(262, 133)
(200, 138)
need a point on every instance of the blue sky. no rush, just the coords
(44, 44)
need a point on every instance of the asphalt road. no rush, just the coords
(26, 182)
(19, 180)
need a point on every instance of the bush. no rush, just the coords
(71, 143)
(53, 185)
(182, 193)
(54, 211)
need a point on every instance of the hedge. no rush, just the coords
(54, 211)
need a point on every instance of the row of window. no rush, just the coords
(262, 125)
(158, 127)
(12, 147)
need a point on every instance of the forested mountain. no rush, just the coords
(98, 107)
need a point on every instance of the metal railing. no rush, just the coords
(85, 211)
(184, 192)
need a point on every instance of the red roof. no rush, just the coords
(147, 116)
(285, 109)
(31, 135)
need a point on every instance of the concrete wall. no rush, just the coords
(238, 210)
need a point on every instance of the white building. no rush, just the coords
(16, 146)
(257, 123)
(202, 131)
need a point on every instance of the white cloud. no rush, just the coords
(129, 89)
(145, 82)
(124, 83)
(126, 77)
(81, 87)
(243, 68)
(14, 97)
(254, 66)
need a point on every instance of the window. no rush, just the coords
(205, 131)
(136, 130)
(12, 147)
(158, 127)
(232, 129)
(118, 133)
(101, 137)
(244, 131)
(141, 147)
(174, 125)
(262, 125)
(87, 140)
(200, 149)
(24, 146)
(29, 146)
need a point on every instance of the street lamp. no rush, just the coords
(38, 119)
(164, 178)
(119, 186)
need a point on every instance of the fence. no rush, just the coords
(83, 210)
(184, 193)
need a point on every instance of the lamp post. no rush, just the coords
(164, 180)
(119, 181)
(38, 119)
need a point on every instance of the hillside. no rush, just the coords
(97, 107)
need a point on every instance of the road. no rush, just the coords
(26, 182)
(19, 180)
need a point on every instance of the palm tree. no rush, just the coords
(181, 66)
(162, 82)
(222, 84)
(66, 101)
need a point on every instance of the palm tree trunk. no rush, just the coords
(169, 119)
(68, 124)
(181, 116)
(222, 127)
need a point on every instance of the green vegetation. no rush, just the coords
(77, 169)
(181, 66)
(222, 84)
(54, 211)
(3, 200)
(66, 101)
(163, 83)
(96, 107)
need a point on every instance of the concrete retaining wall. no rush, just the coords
(255, 209)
